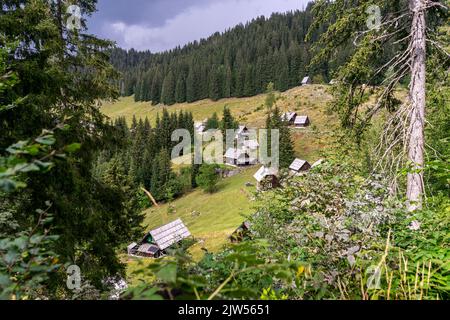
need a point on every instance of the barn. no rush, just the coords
(298, 166)
(302, 122)
(158, 240)
(267, 178)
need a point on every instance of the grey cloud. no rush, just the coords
(163, 24)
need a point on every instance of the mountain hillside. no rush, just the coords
(308, 100)
(237, 63)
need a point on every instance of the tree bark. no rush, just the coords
(415, 185)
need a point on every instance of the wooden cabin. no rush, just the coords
(306, 80)
(302, 122)
(298, 166)
(154, 244)
(267, 178)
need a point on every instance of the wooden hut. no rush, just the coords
(298, 166)
(267, 178)
(306, 80)
(302, 121)
(200, 127)
(158, 240)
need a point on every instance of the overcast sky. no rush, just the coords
(159, 25)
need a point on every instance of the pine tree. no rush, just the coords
(249, 88)
(63, 74)
(286, 146)
(180, 90)
(227, 122)
(133, 127)
(168, 89)
(228, 83)
(156, 87)
(190, 86)
(213, 122)
(161, 175)
(190, 123)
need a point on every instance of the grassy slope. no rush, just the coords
(222, 212)
(219, 213)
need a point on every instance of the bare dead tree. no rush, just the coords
(415, 185)
(403, 139)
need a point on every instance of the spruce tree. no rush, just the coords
(168, 89)
(227, 122)
(180, 90)
(213, 122)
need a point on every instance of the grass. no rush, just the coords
(219, 214)
(309, 100)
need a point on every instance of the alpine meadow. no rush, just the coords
(238, 150)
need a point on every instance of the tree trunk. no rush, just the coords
(415, 189)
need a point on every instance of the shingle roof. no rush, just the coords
(297, 164)
(169, 234)
(264, 172)
(131, 246)
(148, 248)
(301, 120)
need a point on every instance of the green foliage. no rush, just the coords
(25, 157)
(228, 122)
(59, 81)
(213, 122)
(26, 260)
(208, 178)
(241, 271)
(418, 265)
(270, 98)
(286, 145)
